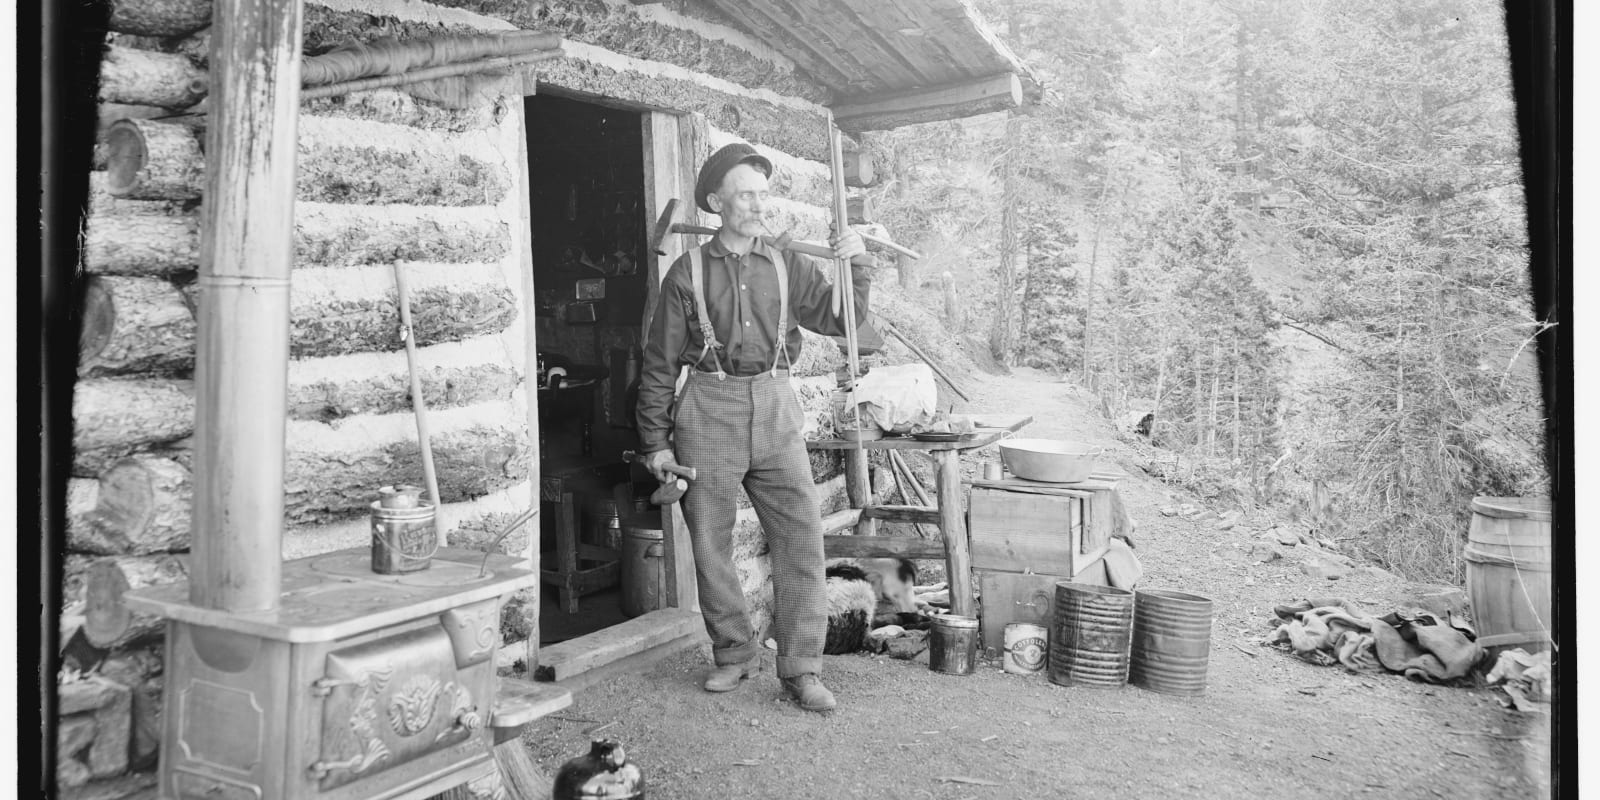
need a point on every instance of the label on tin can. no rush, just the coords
(1025, 648)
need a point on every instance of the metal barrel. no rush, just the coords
(644, 577)
(1171, 641)
(1091, 635)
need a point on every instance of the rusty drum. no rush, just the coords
(1171, 641)
(1091, 635)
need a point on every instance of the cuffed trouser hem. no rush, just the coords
(795, 666)
(725, 657)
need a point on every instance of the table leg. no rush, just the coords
(567, 552)
(858, 485)
(958, 558)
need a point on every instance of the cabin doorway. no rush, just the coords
(590, 276)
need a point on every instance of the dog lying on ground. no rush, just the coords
(865, 593)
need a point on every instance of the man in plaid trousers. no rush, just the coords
(731, 311)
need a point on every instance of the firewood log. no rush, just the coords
(141, 244)
(159, 17)
(134, 325)
(108, 622)
(146, 78)
(111, 112)
(103, 202)
(114, 417)
(196, 48)
(154, 161)
(142, 506)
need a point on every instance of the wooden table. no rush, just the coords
(863, 513)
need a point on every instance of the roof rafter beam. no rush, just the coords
(999, 92)
(799, 44)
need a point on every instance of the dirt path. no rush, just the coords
(1268, 724)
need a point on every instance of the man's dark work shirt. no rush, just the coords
(742, 298)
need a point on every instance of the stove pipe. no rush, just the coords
(242, 351)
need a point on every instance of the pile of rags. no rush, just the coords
(1412, 642)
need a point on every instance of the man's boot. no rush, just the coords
(808, 691)
(727, 677)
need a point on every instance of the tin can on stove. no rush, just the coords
(953, 644)
(404, 539)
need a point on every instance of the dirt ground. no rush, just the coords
(1268, 724)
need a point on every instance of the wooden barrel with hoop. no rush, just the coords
(1508, 572)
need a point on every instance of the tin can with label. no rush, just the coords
(1026, 648)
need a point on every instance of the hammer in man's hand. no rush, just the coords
(667, 224)
(671, 491)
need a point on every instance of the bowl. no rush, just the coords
(1049, 460)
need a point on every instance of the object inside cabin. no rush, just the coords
(590, 278)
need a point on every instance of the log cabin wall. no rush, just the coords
(384, 177)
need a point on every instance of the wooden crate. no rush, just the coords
(1006, 597)
(1058, 533)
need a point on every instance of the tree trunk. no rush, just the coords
(952, 304)
(113, 417)
(154, 161)
(133, 325)
(146, 78)
(109, 623)
(1002, 339)
(159, 17)
(142, 506)
(1216, 393)
(141, 244)
(1238, 428)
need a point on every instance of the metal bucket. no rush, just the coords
(953, 644)
(1026, 648)
(403, 539)
(1092, 634)
(1171, 641)
(644, 564)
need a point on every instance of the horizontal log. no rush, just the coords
(352, 310)
(134, 325)
(115, 417)
(1001, 92)
(108, 622)
(913, 514)
(141, 244)
(668, 37)
(159, 17)
(586, 71)
(142, 506)
(840, 520)
(342, 235)
(146, 78)
(333, 472)
(111, 112)
(400, 107)
(453, 374)
(149, 160)
(882, 547)
(83, 494)
(103, 202)
(354, 173)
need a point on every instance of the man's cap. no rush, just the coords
(718, 165)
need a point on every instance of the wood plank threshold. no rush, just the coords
(571, 658)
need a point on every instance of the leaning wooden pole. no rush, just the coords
(242, 347)
(858, 473)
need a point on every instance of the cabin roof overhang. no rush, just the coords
(889, 63)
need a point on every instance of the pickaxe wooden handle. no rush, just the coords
(677, 469)
(667, 224)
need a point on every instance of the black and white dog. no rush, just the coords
(865, 593)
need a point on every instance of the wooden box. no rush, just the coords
(1007, 597)
(1022, 526)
